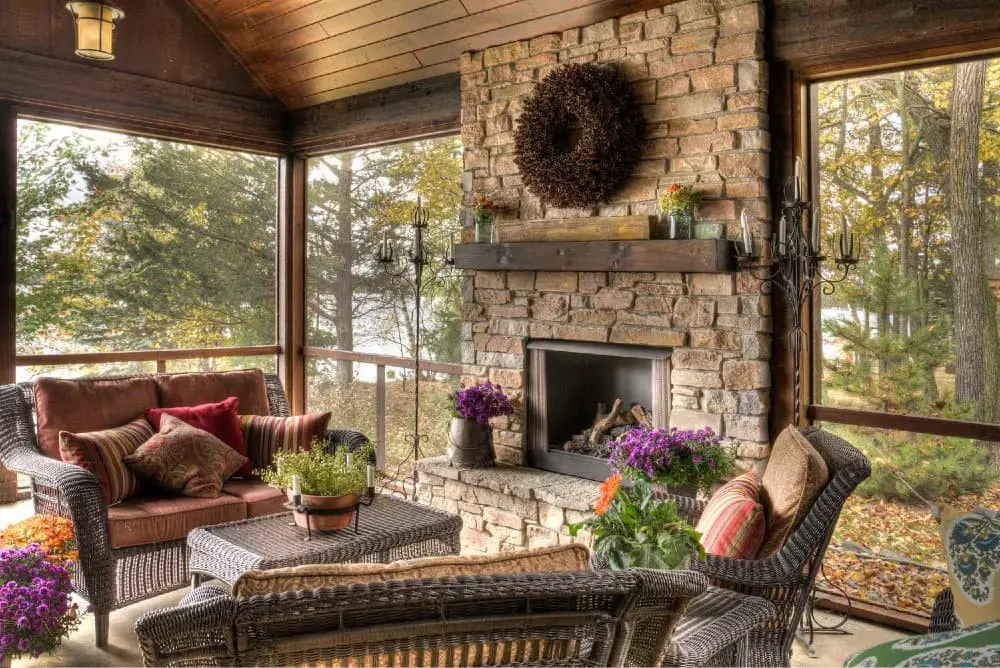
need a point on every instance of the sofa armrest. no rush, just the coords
(352, 439)
(943, 616)
(194, 633)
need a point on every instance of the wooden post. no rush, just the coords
(292, 278)
(380, 409)
(8, 239)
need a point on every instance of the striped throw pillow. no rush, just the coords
(103, 453)
(265, 435)
(732, 524)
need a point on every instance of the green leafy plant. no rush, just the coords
(320, 473)
(634, 529)
(680, 198)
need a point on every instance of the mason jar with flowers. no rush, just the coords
(470, 436)
(484, 215)
(684, 461)
(677, 210)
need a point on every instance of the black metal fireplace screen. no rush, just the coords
(582, 395)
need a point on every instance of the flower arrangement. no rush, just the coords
(53, 535)
(484, 210)
(35, 607)
(482, 402)
(680, 198)
(634, 529)
(673, 457)
(320, 473)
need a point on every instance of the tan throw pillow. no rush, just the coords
(795, 475)
(185, 460)
(560, 559)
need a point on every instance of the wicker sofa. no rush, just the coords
(135, 549)
(600, 618)
(787, 578)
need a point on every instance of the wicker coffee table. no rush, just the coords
(388, 530)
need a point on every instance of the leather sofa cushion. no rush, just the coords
(560, 559)
(88, 405)
(261, 498)
(145, 520)
(192, 389)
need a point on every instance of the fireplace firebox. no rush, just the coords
(581, 395)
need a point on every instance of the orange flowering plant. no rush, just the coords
(53, 535)
(680, 198)
(633, 528)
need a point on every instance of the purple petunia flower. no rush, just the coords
(482, 402)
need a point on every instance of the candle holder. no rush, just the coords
(411, 274)
(794, 266)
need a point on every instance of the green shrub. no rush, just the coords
(936, 467)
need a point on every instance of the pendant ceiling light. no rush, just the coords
(95, 26)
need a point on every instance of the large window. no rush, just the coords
(127, 243)
(910, 161)
(352, 305)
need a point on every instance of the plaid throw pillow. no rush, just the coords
(103, 453)
(732, 524)
(265, 435)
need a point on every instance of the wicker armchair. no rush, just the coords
(108, 578)
(590, 618)
(787, 577)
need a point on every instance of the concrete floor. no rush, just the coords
(79, 649)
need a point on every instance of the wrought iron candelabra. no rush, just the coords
(411, 273)
(793, 264)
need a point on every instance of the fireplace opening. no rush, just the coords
(583, 395)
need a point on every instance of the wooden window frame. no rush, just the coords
(809, 80)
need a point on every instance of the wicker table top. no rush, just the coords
(388, 530)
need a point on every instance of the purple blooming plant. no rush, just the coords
(673, 457)
(35, 606)
(482, 402)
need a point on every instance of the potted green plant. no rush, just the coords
(324, 481)
(684, 461)
(679, 205)
(632, 528)
(470, 437)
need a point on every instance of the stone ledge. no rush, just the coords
(554, 489)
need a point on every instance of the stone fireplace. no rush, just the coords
(698, 70)
(574, 386)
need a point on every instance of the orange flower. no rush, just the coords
(674, 187)
(54, 536)
(609, 488)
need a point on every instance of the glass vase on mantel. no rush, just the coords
(484, 229)
(676, 224)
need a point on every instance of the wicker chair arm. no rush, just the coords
(198, 632)
(943, 616)
(770, 572)
(353, 439)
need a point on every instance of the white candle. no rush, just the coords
(817, 222)
(296, 486)
(745, 230)
(383, 251)
(797, 183)
(371, 475)
(781, 234)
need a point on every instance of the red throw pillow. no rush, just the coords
(220, 420)
(185, 460)
(732, 524)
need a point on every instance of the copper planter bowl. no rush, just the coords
(327, 522)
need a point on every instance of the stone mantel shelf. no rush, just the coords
(675, 255)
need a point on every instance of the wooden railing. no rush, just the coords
(159, 356)
(381, 362)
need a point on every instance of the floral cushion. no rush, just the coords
(219, 419)
(732, 524)
(103, 453)
(185, 460)
(266, 435)
(972, 548)
(973, 646)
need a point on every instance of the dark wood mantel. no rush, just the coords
(688, 255)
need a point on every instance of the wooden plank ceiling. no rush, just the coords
(306, 52)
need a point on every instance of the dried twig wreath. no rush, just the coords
(593, 106)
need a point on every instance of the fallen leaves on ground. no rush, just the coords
(905, 530)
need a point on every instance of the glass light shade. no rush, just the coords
(95, 25)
